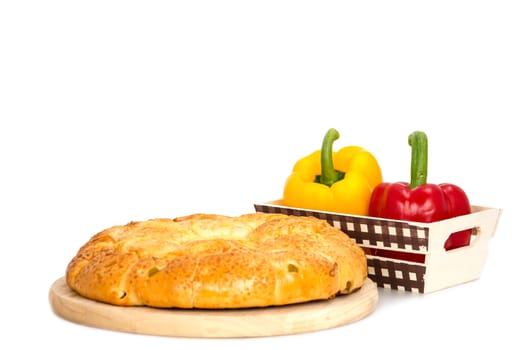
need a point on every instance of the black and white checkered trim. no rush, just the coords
(376, 233)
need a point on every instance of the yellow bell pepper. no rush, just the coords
(340, 181)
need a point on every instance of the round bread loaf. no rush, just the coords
(218, 262)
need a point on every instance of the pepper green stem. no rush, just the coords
(419, 158)
(329, 174)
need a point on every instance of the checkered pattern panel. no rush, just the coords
(382, 234)
(368, 232)
(396, 275)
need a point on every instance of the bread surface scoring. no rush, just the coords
(218, 262)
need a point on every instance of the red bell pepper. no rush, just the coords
(419, 201)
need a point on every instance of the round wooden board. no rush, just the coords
(254, 322)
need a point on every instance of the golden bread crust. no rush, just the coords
(218, 262)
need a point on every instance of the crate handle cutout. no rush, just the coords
(452, 267)
(482, 223)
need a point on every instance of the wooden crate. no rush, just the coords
(420, 264)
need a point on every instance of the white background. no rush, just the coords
(118, 111)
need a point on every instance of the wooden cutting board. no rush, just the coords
(254, 322)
